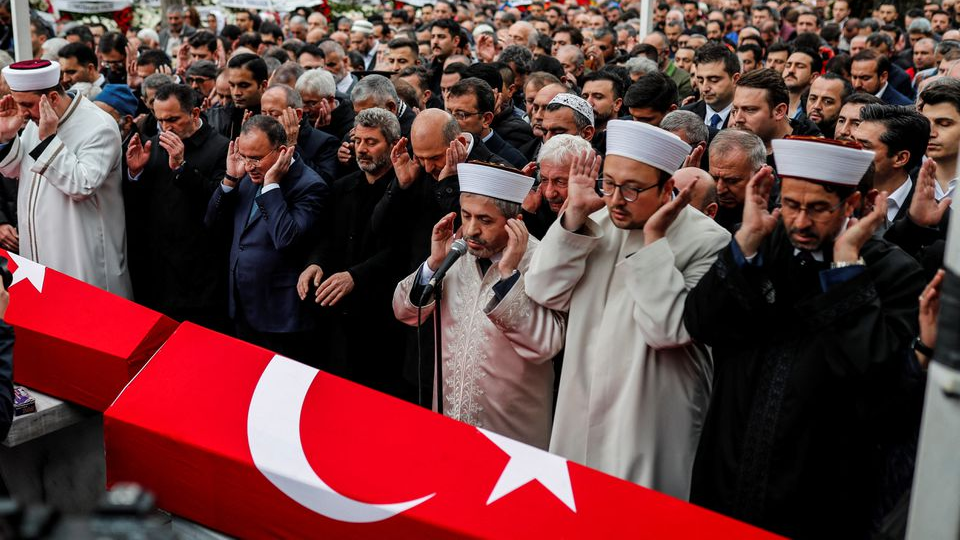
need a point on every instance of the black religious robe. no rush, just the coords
(806, 375)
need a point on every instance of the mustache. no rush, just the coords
(805, 231)
(475, 240)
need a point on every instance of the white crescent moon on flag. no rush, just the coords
(273, 433)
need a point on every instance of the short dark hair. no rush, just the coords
(777, 46)
(401, 42)
(312, 50)
(452, 27)
(84, 55)
(487, 73)
(203, 38)
(456, 67)
(184, 95)
(250, 40)
(271, 29)
(830, 32)
(154, 57)
(905, 129)
(420, 72)
(862, 98)
(548, 64)
(753, 48)
(769, 80)
(478, 88)
(231, 31)
(40, 26)
(716, 52)
(113, 42)
(576, 36)
(604, 74)
(879, 38)
(866, 55)
(847, 87)
(943, 91)
(252, 63)
(816, 62)
(654, 90)
(82, 32)
(269, 126)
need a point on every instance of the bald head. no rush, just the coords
(431, 134)
(703, 189)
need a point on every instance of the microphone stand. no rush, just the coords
(438, 344)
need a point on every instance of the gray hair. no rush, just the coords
(641, 65)
(737, 139)
(920, 25)
(381, 119)
(628, 28)
(288, 73)
(578, 57)
(272, 64)
(297, 19)
(604, 32)
(176, 8)
(561, 148)
(318, 82)
(331, 47)
(689, 123)
(375, 87)
(507, 208)
(291, 96)
(520, 56)
(269, 126)
(533, 36)
(156, 80)
(678, 23)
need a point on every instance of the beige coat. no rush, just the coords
(497, 372)
(69, 203)
(634, 389)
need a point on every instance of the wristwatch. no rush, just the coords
(921, 348)
(858, 262)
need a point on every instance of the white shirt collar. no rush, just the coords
(723, 113)
(817, 255)
(882, 89)
(938, 191)
(488, 137)
(345, 83)
(896, 198)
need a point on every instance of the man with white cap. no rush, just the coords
(67, 159)
(497, 343)
(568, 114)
(809, 317)
(635, 387)
(364, 42)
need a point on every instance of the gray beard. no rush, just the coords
(374, 164)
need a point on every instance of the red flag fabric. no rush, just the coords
(259, 446)
(75, 341)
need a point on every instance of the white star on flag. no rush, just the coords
(28, 270)
(528, 464)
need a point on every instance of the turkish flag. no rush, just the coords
(259, 446)
(76, 341)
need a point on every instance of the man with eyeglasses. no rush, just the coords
(176, 264)
(471, 101)
(809, 316)
(273, 202)
(202, 77)
(635, 386)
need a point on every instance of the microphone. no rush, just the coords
(457, 249)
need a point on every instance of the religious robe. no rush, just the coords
(496, 369)
(808, 375)
(69, 203)
(634, 388)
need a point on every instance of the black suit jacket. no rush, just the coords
(319, 150)
(700, 107)
(502, 148)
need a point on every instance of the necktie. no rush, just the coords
(805, 259)
(254, 208)
(485, 265)
(715, 121)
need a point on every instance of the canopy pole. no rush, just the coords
(20, 17)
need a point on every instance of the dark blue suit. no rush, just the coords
(268, 253)
(890, 96)
(319, 149)
(502, 148)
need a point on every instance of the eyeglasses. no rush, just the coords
(629, 193)
(197, 80)
(816, 212)
(463, 115)
(116, 64)
(255, 162)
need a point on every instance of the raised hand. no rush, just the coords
(291, 124)
(174, 147)
(486, 48)
(280, 167)
(517, 236)
(456, 154)
(924, 208)
(235, 164)
(582, 199)
(345, 152)
(440, 240)
(407, 169)
(310, 277)
(183, 59)
(133, 78)
(49, 119)
(657, 225)
(10, 119)
(324, 114)
(929, 312)
(758, 221)
(846, 248)
(137, 155)
(696, 156)
(221, 55)
(334, 288)
(247, 113)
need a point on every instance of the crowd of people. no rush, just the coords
(704, 257)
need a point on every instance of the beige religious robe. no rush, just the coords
(497, 372)
(69, 203)
(634, 389)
